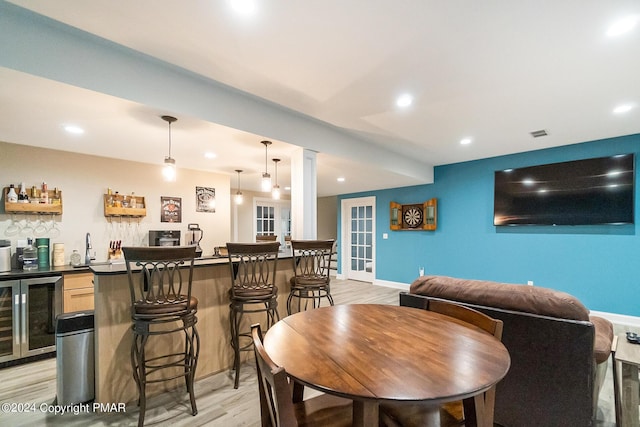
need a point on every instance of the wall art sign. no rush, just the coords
(205, 199)
(171, 209)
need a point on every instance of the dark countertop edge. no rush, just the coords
(106, 269)
(120, 268)
(51, 271)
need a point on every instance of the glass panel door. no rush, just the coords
(359, 224)
(41, 304)
(9, 325)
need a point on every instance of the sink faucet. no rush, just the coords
(88, 258)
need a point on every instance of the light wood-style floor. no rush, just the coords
(218, 403)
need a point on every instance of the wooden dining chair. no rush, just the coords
(469, 412)
(277, 407)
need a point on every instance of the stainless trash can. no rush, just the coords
(75, 357)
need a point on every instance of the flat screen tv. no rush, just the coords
(580, 192)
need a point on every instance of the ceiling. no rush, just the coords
(489, 71)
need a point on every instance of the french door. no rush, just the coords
(358, 238)
(273, 218)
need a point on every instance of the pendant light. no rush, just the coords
(275, 193)
(169, 170)
(266, 178)
(238, 196)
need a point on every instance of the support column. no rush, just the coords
(304, 195)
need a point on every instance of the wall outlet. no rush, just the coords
(385, 235)
(530, 282)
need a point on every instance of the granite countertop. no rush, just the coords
(42, 272)
(109, 267)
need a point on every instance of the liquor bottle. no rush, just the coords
(12, 196)
(30, 256)
(23, 197)
(133, 203)
(56, 200)
(44, 195)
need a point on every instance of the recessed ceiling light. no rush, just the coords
(341, 179)
(622, 26)
(465, 141)
(76, 130)
(244, 7)
(624, 108)
(210, 155)
(404, 100)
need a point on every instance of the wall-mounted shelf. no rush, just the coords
(35, 208)
(120, 205)
(416, 216)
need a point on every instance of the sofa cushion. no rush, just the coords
(529, 299)
(603, 340)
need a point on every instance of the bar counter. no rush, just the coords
(211, 282)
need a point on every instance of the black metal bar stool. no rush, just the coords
(161, 303)
(311, 264)
(253, 274)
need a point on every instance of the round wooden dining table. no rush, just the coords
(377, 354)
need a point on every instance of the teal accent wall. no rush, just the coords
(599, 264)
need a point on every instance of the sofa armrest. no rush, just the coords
(603, 338)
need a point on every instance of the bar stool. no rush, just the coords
(253, 274)
(161, 303)
(311, 262)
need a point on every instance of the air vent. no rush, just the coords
(539, 133)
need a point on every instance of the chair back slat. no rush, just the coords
(253, 266)
(312, 258)
(160, 275)
(276, 404)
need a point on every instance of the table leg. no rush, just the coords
(365, 413)
(629, 398)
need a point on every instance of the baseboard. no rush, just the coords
(618, 319)
(389, 284)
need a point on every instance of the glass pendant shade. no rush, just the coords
(275, 192)
(266, 178)
(266, 182)
(238, 197)
(169, 169)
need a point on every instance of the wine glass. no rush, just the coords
(27, 229)
(40, 229)
(54, 228)
(14, 228)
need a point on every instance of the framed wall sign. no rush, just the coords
(170, 209)
(205, 199)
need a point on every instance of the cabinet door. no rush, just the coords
(78, 292)
(78, 299)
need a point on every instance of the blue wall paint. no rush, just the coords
(598, 264)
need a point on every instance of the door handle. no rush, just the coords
(23, 323)
(17, 324)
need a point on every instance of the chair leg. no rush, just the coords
(142, 375)
(289, 300)
(192, 362)
(235, 319)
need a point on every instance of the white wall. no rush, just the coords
(84, 179)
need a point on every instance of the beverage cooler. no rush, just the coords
(28, 309)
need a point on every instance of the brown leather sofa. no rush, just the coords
(558, 351)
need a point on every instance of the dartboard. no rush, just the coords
(413, 216)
